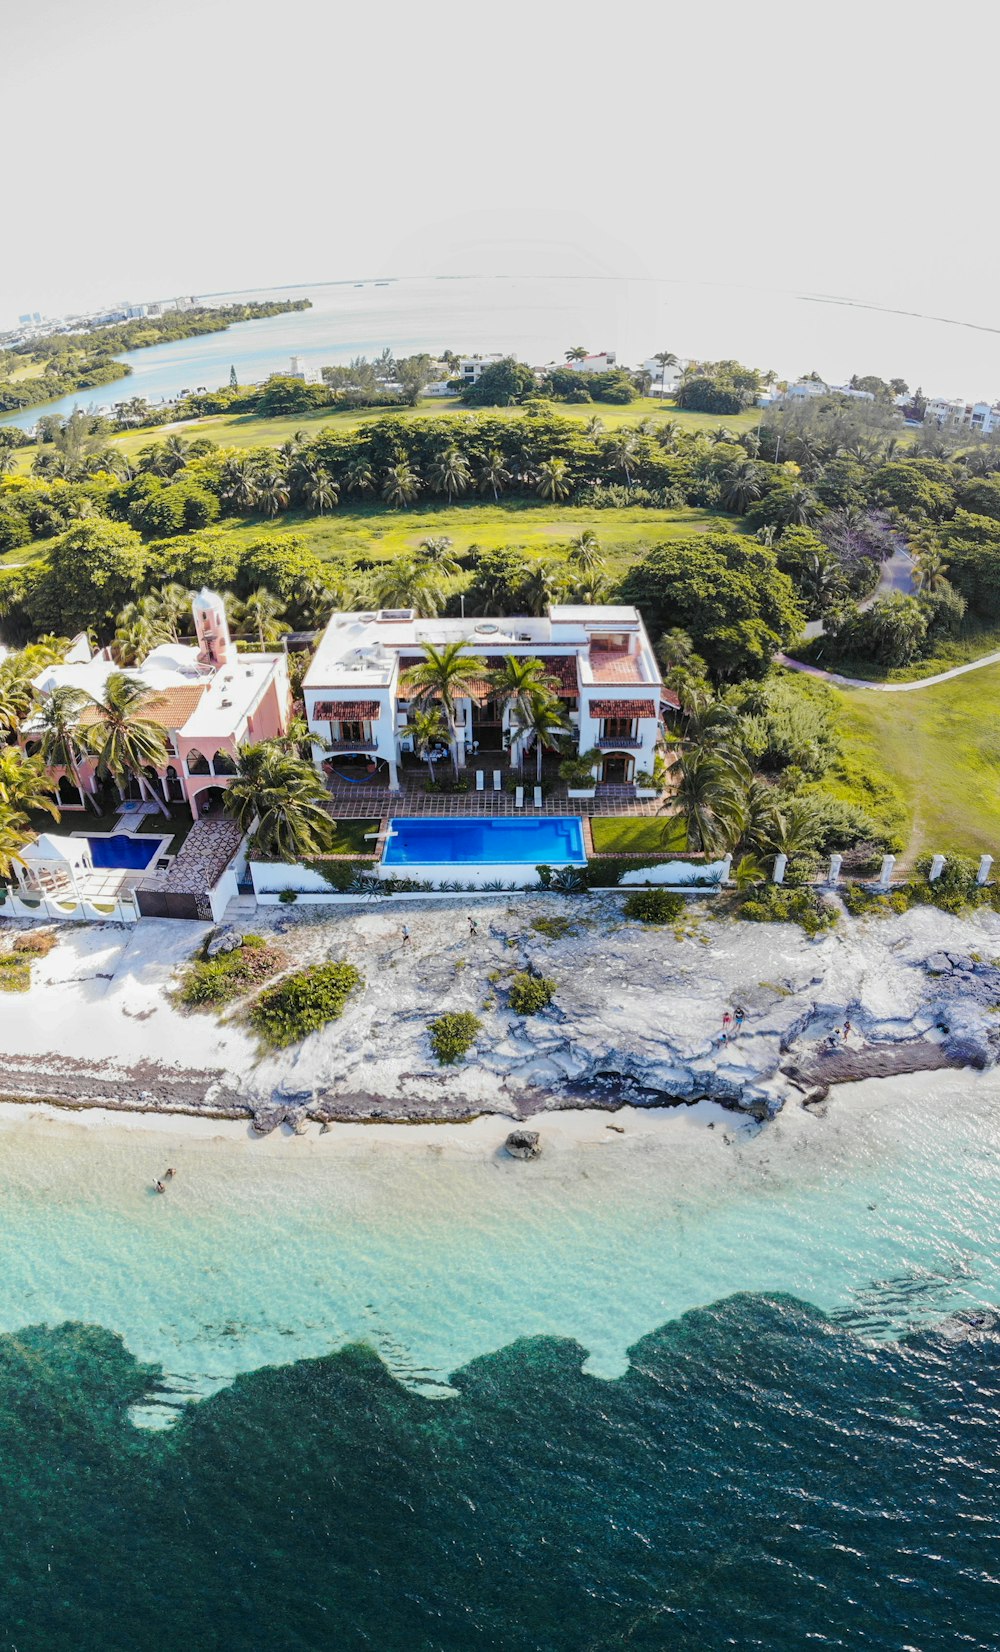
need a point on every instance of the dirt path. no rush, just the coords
(885, 688)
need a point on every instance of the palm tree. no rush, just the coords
(543, 718)
(174, 454)
(594, 425)
(931, 572)
(404, 583)
(359, 476)
(239, 484)
(286, 797)
(620, 450)
(171, 610)
(515, 684)
(436, 553)
(450, 472)
(542, 585)
(123, 738)
(741, 486)
(15, 697)
(25, 784)
(493, 473)
(579, 352)
(821, 580)
(553, 480)
(15, 832)
(6, 460)
(709, 795)
(427, 730)
(62, 744)
(795, 829)
(585, 552)
(262, 615)
(666, 358)
(667, 433)
(272, 493)
(401, 484)
(318, 489)
(447, 675)
(139, 628)
(592, 588)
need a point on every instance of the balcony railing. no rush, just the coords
(351, 745)
(619, 742)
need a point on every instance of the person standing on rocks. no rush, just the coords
(406, 935)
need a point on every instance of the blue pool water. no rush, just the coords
(128, 854)
(554, 841)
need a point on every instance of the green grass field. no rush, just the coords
(941, 748)
(379, 534)
(246, 430)
(622, 836)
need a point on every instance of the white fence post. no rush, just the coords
(780, 862)
(836, 862)
(727, 866)
(885, 876)
(983, 875)
(937, 867)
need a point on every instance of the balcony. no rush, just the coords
(618, 742)
(351, 745)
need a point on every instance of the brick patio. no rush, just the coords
(363, 802)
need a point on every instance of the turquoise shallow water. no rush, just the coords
(800, 1445)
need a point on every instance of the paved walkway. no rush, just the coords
(886, 688)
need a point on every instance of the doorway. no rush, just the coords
(617, 771)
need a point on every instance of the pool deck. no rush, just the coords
(363, 802)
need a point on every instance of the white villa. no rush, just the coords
(600, 659)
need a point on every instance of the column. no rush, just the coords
(983, 875)
(836, 862)
(884, 877)
(937, 867)
(780, 862)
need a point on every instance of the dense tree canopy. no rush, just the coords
(727, 591)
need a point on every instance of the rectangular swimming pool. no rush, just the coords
(555, 840)
(124, 853)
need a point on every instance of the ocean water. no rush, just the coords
(696, 1385)
(539, 318)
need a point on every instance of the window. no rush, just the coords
(352, 731)
(618, 728)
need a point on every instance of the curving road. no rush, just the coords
(886, 688)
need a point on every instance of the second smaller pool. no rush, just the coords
(125, 853)
(554, 840)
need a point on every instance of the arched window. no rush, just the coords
(224, 762)
(197, 762)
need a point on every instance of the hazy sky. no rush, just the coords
(165, 146)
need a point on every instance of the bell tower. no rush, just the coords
(212, 629)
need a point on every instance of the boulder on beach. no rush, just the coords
(523, 1144)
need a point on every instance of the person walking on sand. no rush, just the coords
(473, 927)
(406, 935)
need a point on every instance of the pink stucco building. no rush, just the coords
(209, 699)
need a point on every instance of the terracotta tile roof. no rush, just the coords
(337, 710)
(669, 698)
(168, 707)
(622, 708)
(608, 667)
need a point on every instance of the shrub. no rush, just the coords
(453, 1034)
(861, 900)
(15, 972)
(302, 1003)
(37, 942)
(531, 993)
(955, 890)
(553, 928)
(288, 897)
(774, 904)
(209, 982)
(654, 906)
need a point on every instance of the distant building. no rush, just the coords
(603, 362)
(980, 417)
(470, 368)
(305, 375)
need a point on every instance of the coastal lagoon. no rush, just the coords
(539, 318)
(755, 1405)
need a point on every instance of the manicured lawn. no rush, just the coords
(639, 836)
(350, 838)
(376, 533)
(941, 748)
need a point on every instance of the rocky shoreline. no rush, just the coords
(637, 1017)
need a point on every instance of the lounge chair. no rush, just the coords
(538, 797)
(480, 780)
(519, 797)
(497, 781)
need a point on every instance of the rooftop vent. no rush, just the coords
(487, 630)
(367, 617)
(226, 702)
(396, 615)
